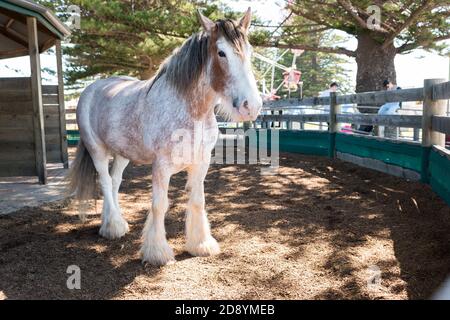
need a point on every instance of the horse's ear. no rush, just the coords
(246, 20)
(207, 24)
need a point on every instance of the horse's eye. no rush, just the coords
(222, 54)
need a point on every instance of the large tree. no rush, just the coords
(405, 25)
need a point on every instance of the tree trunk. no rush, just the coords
(374, 66)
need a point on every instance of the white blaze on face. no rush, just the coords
(240, 97)
(241, 93)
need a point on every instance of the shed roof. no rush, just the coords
(13, 27)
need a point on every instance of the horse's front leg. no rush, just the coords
(199, 241)
(155, 249)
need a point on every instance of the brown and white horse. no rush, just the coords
(133, 120)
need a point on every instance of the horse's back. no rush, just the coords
(106, 105)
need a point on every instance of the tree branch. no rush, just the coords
(312, 31)
(349, 8)
(312, 18)
(424, 42)
(406, 23)
(337, 50)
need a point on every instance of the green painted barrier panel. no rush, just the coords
(73, 136)
(439, 175)
(296, 141)
(404, 155)
(306, 142)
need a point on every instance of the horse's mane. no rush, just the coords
(187, 63)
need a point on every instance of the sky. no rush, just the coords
(411, 68)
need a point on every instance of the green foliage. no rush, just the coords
(406, 24)
(133, 37)
(128, 37)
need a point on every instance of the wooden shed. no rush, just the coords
(32, 117)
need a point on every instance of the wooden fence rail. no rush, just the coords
(438, 91)
(433, 122)
(441, 124)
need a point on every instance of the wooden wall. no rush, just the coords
(52, 123)
(17, 155)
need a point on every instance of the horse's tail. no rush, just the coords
(82, 178)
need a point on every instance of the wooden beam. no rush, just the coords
(333, 124)
(280, 104)
(430, 137)
(47, 45)
(23, 19)
(431, 108)
(295, 117)
(441, 91)
(62, 108)
(13, 53)
(9, 23)
(14, 36)
(381, 97)
(36, 92)
(440, 124)
(405, 121)
(335, 109)
(370, 98)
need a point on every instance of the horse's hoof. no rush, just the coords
(157, 255)
(114, 229)
(205, 248)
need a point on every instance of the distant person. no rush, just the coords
(332, 88)
(389, 85)
(326, 93)
(388, 108)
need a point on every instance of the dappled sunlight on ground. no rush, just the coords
(314, 231)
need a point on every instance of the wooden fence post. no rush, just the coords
(36, 94)
(62, 108)
(289, 125)
(333, 125)
(431, 108)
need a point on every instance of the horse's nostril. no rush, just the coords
(235, 103)
(245, 104)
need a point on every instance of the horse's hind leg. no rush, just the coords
(155, 249)
(113, 225)
(119, 165)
